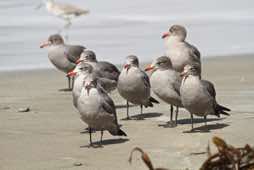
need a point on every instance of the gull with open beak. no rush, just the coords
(134, 85)
(61, 55)
(97, 109)
(165, 83)
(198, 96)
(179, 51)
(107, 71)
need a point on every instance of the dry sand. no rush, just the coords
(48, 137)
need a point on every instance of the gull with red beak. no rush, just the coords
(61, 55)
(134, 85)
(97, 109)
(198, 96)
(80, 73)
(103, 69)
(179, 51)
(165, 83)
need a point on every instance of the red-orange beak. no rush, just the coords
(183, 73)
(45, 44)
(78, 61)
(127, 66)
(164, 35)
(71, 73)
(149, 68)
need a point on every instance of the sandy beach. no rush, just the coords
(50, 137)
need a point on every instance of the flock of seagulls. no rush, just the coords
(175, 78)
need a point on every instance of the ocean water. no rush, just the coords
(117, 28)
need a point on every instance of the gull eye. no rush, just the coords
(94, 82)
(193, 69)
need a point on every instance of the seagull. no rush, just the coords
(107, 71)
(97, 109)
(61, 55)
(178, 50)
(165, 83)
(80, 73)
(134, 85)
(64, 11)
(198, 96)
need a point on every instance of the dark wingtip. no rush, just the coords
(224, 113)
(153, 100)
(223, 108)
(121, 133)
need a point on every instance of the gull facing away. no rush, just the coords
(97, 109)
(197, 96)
(179, 51)
(61, 55)
(134, 85)
(107, 71)
(64, 11)
(165, 83)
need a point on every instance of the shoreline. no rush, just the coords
(204, 59)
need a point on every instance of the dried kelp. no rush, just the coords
(229, 157)
(145, 158)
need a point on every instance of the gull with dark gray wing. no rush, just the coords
(165, 83)
(179, 51)
(198, 96)
(61, 55)
(107, 71)
(134, 85)
(97, 109)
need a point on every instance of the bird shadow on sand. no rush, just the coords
(105, 142)
(121, 106)
(86, 131)
(207, 128)
(144, 116)
(188, 121)
(65, 90)
(198, 120)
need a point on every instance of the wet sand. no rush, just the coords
(49, 136)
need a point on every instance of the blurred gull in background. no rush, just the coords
(64, 11)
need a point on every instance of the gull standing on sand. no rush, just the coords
(61, 55)
(103, 69)
(178, 50)
(198, 97)
(97, 109)
(64, 11)
(165, 83)
(81, 72)
(134, 85)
